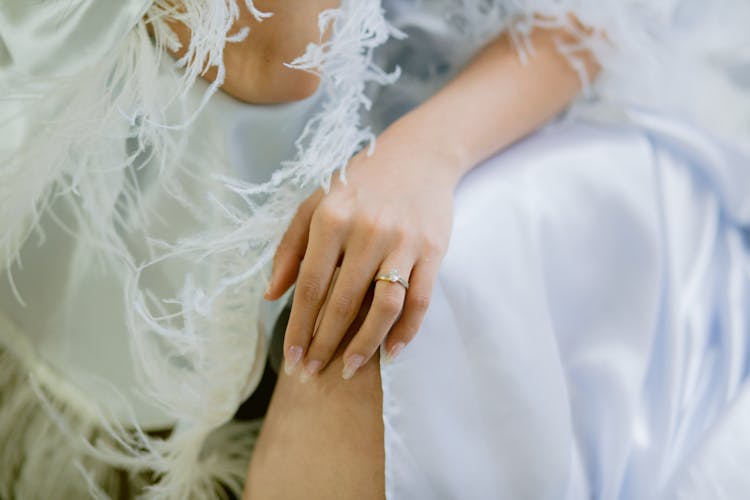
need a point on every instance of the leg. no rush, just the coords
(322, 439)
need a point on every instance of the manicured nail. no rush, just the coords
(293, 355)
(310, 369)
(352, 365)
(395, 351)
(268, 291)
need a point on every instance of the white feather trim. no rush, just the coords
(67, 140)
(202, 361)
(665, 55)
(57, 443)
(72, 143)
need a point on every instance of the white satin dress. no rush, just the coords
(589, 325)
(73, 316)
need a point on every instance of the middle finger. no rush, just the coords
(316, 273)
(341, 308)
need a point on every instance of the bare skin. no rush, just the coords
(255, 66)
(375, 222)
(323, 436)
(322, 440)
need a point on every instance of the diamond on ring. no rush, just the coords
(393, 276)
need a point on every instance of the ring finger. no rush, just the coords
(387, 303)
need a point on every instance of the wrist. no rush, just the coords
(423, 139)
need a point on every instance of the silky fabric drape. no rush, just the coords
(589, 324)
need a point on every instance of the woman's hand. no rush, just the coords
(394, 212)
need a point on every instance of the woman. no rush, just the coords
(551, 365)
(548, 385)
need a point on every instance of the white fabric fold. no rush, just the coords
(588, 334)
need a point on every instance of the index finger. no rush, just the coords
(291, 250)
(315, 276)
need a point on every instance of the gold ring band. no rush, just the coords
(393, 276)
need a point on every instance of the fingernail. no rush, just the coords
(352, 365)
(310, 369)
(268, 290)
(395, 351)
(293, 355)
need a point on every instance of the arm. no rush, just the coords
(495, 101)
(377, 221)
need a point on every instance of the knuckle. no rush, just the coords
(282, 247)
(343, 305)
(365, 344)
(311, 290)
(302, 214)
(331, 214)
(284, 250)
(322, 348)
(306, 204)
(393, 230)
(377, 225)
(409, 332)
(295, 336)
(366, 340)
(431, 247)
(404, 332)
(419, 302)
(400, 234)
(390, 304)
(368, 224)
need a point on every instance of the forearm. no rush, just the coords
(495, 101)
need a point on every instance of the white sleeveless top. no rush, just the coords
(74, 314)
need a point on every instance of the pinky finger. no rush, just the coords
(416, 303)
